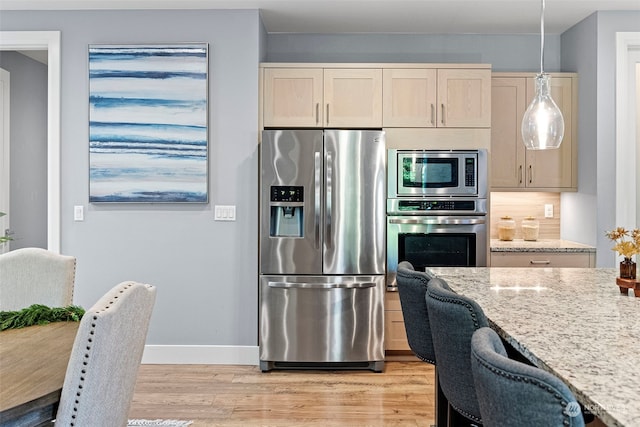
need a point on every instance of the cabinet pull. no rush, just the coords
(327, 114)
(433, 115)
(520, 173)
(442, 118)
(530, 174)
(317, 113)
(543, 262)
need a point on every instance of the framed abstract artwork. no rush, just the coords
(148, 136)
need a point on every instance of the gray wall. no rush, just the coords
(589, 48)
(504, 52)
(28, 127)
(205, 271)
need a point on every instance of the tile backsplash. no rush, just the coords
(519, 205)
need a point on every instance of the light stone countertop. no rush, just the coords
(572, 322)
(542, 245)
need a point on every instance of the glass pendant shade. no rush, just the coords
(543, 124)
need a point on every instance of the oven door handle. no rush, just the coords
(446, 221)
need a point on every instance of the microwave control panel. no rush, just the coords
(470, 172)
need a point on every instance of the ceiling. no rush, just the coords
(376, 16)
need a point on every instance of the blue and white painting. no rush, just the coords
(148, 123)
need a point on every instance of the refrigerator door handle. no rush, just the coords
(329, 195)
(316, 201)
(299, 285)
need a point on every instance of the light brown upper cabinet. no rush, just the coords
(353, 97)
(513, 167)
(293, 97)
(317, 97)
(430, 97)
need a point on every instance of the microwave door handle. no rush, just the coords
(328, 196)
(450, 221)
(316, 201)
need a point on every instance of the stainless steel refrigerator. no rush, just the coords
(322, 249)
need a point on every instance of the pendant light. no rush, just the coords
(542, 124)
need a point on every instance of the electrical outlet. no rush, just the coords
(548, 211)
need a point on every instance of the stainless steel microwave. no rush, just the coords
(437, 173)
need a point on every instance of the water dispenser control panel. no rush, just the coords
(287, 193)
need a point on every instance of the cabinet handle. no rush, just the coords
(317, 113)
(327, 114)
(520, 173)
(532, 262)
(433, 115)
(530, 174)
(442, 118)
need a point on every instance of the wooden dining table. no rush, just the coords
(33, 363)
(572, 322)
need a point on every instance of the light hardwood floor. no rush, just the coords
(222, 395)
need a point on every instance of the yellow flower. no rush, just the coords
(624, 247)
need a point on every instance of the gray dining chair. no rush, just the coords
(512, 393)
(102, 370)
(454, 318)
(36, 276)
(412, 290)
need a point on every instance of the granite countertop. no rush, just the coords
(542, 245)
(572, 322)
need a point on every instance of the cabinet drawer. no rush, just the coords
(542, 259)
(395, 334)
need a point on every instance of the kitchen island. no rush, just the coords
(572, 322)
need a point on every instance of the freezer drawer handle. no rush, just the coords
(352, 285)
(454, 221)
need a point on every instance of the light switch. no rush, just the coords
(225, 213)
(78, 213)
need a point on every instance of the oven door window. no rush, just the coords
(429, 172)
(437, 249)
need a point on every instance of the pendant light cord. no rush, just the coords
(542, 38)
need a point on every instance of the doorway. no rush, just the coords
(4, 156)
(50, 42)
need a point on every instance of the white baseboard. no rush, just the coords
(201, 355)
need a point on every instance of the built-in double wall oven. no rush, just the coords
(436, 209)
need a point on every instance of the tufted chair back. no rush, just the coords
(36, 276)
(412, 290)
(107, 351)
(454, 318)
(511, 393)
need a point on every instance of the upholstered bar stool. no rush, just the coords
(454, 318)
(512, 393)
(412, 290)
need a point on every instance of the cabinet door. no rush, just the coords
(552, 168)
(508, 103)
(409, 98)
(292, 97)
(464, 98)
(353, 98)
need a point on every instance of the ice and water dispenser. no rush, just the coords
(287, 209)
